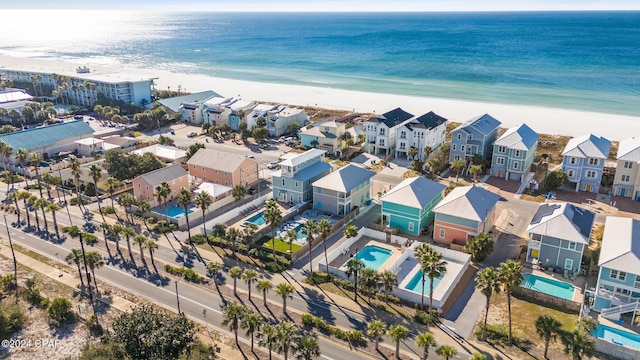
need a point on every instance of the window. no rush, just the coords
(456, 157)
(572, 245)
(453, 147)
(411, 225)
(570, 173)
(462, 148)
(502, 149)
(591, 174)
(593, 161)
(625, 178)
(403, 134)
(568, 264)
(459, 136)
(572, 161)
(319, 191)
(515, 165)
(470, 137)
(383, 131)
(381, 142)
(147, 187)
(628, 164)
(500, 161)
(620, 275)
(517, 153)
(296, 184)
(441, 233)
(139, 186)
(225, 173)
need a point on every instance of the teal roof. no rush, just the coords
(46, 135)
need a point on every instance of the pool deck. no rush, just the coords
(411, 266)
(579, 283)
(359, 245)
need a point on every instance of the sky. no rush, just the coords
(327, 5)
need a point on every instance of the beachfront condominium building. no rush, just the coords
(474, 137)
(513, 153)
(82, 86)
(583, 161)
(276, 117)
(325, 135)
(627, 178)
(144, 186)
(292, 183)
(381, 130)
(428, 130)
(558, 235)
(223, 168)
(343, 190)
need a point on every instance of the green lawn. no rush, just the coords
(281, 246)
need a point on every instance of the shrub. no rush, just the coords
(496, 333)
(9, 282)
(71, 230)
(90, 190)
(186, 273)
(320, 277)
(307, 319)
(108, 210)
(423, 318)
(74, 201)
(89, 238)
(11, 319)
(163, 227)
(197, 239)
(320, 323)
(151, 220)
(60, 310)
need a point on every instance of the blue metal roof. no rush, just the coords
(46, 135)
(312, 171)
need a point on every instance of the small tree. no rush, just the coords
(547, 327)
(458, 166)
(488, 282)
(446, 351)
(579, 345)
(475, 170)
(60, 310)
(375, 330)
(555, 180)
(354, 267)
(264, 285)
(479, 247)
(235, 273)
(239, 192)
(285, 291)
(398, 333)
(426, 341)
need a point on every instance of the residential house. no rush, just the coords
(558, 235)
(239, 110)
(381, 131)
(343, 190)
(144, 186)
(189, 106)
(292, 182)
(279, 119)
(513, 153)
(89, 146)
(408, 206)
(619, 262)
(325, 135)
(259, 111)
(476, 136)
(223, 168)
(382, 183)
(49, 141)
(216, 192)
(465, 212)
(426, 130)
(120, 142)
(627, 179)
(583, 161)
(168, 154)
(216, 111)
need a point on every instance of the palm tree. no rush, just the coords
(249, 277)
(94, 261)
(5, 151)
(117, 229)
(76, 171)
(49, 181)
(285, 290)
(25, 196)
(22, 156)
(398, 333)
(478, 356)
(307, 348)
(248, 232)
(13, 197)
(446, 351)
(427, 151)
(235, 272)
(375, 330)
(274, 219)
(488, 282)
(510, 273)
(458, 166)
(354, 267)
(412, 152)
(52, 208)
(151, 245)
(288, 333)
(435, 267)
(475, 170)
(252, 323)
(389, 280)
(75, 256)
(128, 233)
(232, 315)
(268, 338)
(105, 229)
(422, 254)
(309, 229)
(233, 234)
(547, 327)
(112, 185)
(213, 268)
(290, 236)
(42, 203)
(96, 174)
(203, 201)
(324, 227)
(184, 198)
(140, 240)
(143, 206)
(264, 285)
(239, 192)
(369, 280)
(426, 341)
(350, 231)
(579, 345)
(32, 203)
(162, 192)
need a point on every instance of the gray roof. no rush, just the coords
(393, 117)
(563, 221)
(429, 121)
(588, 146)
(621, 245)
(629, 149)
(219, 160)
(468, 202)
(519, 137)
(416, 192)
(315, 131)
(484, 124)
(174, 103)
(168, 173)
(46, 135)
(312, 171)
(345, 178)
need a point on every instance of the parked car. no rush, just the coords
(192, 134)
(251, 190)
(273, 165)
(282, 139)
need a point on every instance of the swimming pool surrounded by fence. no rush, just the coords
(548, 286)
(373, 256)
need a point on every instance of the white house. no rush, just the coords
(427, 130)
(381, 131)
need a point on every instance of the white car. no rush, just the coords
(273, 165)
(192, 134)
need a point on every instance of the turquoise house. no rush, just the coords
(408, 206)
(292, 183)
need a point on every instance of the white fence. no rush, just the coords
(226, 217)
(617, 351)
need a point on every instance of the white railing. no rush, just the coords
(614, 312)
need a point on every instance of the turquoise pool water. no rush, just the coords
(415, 284)
(373, 256)
(548, 286)
(174, 211)
(617, 336)
(258, 219)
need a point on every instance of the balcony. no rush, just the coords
(535, 244)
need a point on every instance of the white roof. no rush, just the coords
(344, 179)
(89, 141)
(563, 221)
(162, 151)
(621, 245)
(629, 149)
(14, 95)
(217, 100)
(519, 137)
(264, 107)
(416, 192)
(242, 104)
(468, 202)
(298, 159)
(588, 146)
(212, 189)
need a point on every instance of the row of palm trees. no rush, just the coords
(93, 261)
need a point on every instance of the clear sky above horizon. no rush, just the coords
(327, 5)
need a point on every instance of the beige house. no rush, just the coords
(144, 186)
(627, 179)
(327, 134)
(223, 168)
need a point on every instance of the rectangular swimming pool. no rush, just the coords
(173, 211)
(548, 286)
(373, 256)
(415, 284)
(617, 336)
(258, 219)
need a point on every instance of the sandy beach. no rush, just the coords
(541, 119)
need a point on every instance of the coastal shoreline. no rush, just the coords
(544, 120)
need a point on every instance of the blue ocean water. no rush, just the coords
(577, 60)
